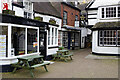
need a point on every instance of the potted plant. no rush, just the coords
(61, 48)
(38, 18)
(10, 12)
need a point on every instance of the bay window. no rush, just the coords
(109, 38)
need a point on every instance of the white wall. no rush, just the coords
(18, 11)
(92, 21)
(98, 49)
(83, 35)
(46, 18)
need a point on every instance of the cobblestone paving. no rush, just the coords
(79, 67)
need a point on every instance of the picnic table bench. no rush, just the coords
(30, 62)
(62, 54)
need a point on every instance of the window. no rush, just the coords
(76, 17)
(52, 36)
(3, 41)
(110, 12)
(27, 15)
(118, 38)
(18, 40)
(102, 12)
(118, 11)
(32, 42)
(109, 37)
(28, 9)
(56, 38)
(65, 39)
(48, 37)
(64, 18)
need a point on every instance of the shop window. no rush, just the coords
(60, 38)
(108, 38)
(52, 36)
(56, 38)
(64, 18)
(118, 38)
(32, 42)
(18, 40)
(65, 39)
(77, 39)
(3, 41)
(49, 37)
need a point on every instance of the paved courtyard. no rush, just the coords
(79, 67)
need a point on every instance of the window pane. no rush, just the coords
(32, 41)
(18, 40)
(56, 36)
(3, 41)
(52, 36)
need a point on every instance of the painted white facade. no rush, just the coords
(97, 13)
(46, 18)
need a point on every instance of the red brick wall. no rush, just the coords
(70, 17)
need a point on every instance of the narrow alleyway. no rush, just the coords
(79, 67)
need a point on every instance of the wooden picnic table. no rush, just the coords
(24, 62)
(62, 54)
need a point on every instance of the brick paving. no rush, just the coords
(79, 67)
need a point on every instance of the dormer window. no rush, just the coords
(28, 10)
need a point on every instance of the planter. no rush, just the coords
(61, 48)
(38, 18)
(10, 12)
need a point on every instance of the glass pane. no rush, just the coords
(32, 41)
(3, 41)
(18, 41)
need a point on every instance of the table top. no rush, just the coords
(62, 50)
(31, 57)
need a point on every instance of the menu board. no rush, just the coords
(2, 45)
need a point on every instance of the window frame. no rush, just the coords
(116, 39)
(64, 18)
(116, 11)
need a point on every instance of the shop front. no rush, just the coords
(19, 37)
(71, 38)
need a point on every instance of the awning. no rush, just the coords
(106, 25)
(71, 28)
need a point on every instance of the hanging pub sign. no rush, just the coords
(2, 45)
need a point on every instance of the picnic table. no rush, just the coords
(30, 62)
(62, 54)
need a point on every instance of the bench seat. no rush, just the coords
(42, 64)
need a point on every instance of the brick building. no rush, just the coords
(71, 35)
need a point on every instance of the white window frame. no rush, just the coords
(103, 37)
(116, 6)
(9, 39)
(52, 35)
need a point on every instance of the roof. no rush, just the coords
(46, 8)
(97, 3)
(106, 25)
